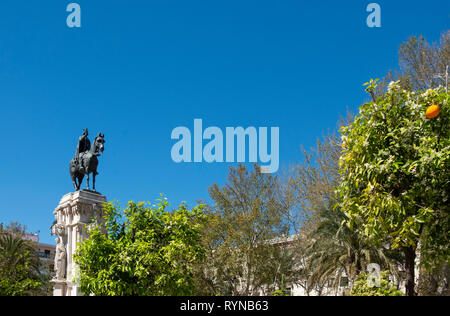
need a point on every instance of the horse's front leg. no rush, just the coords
(74, 181)
(87, 181)
(93, 181)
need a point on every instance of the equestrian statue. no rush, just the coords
(85, 161)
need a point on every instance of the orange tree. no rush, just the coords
(395, 174)
(147, 250)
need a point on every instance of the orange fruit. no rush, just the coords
(433, 111)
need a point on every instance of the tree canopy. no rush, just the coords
(395, 172)
(244, 236)
(146, 250)
(20, 265)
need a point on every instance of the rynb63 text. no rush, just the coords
(227, 305)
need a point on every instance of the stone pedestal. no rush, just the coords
(74, 213)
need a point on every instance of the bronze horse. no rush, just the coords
(87, 163)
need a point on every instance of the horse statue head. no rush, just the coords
(99, 145)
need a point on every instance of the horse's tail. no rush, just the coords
(72, 167)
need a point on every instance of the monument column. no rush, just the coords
(75, 211)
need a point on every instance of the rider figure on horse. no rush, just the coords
(84, 144)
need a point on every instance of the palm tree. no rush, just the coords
(335, 251)
(19, 266)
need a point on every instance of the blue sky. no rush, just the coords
(135, 70)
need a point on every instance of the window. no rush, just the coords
(343, 282)
(288, 291)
